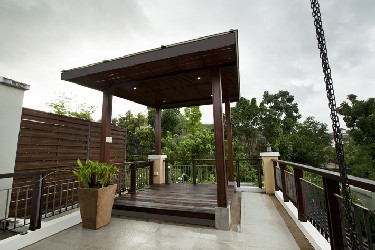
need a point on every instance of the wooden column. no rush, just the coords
(105, 131)
(331, 188)
(219, 138)
(229, 140)
(158, 131)
(283, 180)
(298, 175)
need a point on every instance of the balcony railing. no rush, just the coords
(200, 171)
(41, 194)
(321, 202)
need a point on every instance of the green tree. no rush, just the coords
(247, 137)
(279, 116)
(309, 144)
(359, 117)
(193, 117)
(171, 120)
(140, 141)
(63, 106)
(182, 148)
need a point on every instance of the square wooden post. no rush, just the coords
(298, 175)
(219, 138)
(283, 181)
(105, 131)
(331, 188)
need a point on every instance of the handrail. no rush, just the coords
(355, 181)
(136, 162)
(45, 171)
(330, 191)
(32, 172)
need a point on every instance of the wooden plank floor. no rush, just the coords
(180, 200)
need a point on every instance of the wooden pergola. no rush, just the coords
(192, 73)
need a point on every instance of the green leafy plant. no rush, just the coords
(94, 174)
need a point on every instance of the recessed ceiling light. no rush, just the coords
(135, 88)
(164, 101)
(198, 77)
(211, 95)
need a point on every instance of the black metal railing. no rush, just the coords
(138, 175)
(249, 170)
(320, 203)
(200, 171)
(42, 194)
(37, 195)
(196, 172)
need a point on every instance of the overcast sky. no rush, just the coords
(277, 44)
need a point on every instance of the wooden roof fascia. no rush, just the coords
(238, 66)
(154, 55)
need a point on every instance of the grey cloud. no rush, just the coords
(278, 48)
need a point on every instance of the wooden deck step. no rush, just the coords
(176, 202)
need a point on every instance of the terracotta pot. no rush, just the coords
(96, 205)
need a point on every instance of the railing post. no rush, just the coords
(166, 172)
(36, 204)
(151, 174)
(133, 177)
(238, 178)
(331, 188)
(274, 176)
(283, 181)
(194, 172)
(259, 172)
(298, 175)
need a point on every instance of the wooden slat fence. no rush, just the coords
(50, 141)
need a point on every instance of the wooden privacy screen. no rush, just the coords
(49, 141)
(53, 141)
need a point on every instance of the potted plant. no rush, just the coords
(96, 193)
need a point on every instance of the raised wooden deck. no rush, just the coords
(187, 203)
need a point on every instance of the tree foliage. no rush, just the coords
(276, 121)
(171, 120)
(309, 143)
(63, 106)
(140, 141)
(279, 115)
(359, 117)
(193, 117)
(247, 137)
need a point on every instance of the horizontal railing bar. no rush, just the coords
(239, 159)
(38, 172)
(355, 181)
(32, 172)
(135, 162)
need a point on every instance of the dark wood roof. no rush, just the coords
(171, 76)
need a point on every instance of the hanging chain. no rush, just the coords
(348, 202)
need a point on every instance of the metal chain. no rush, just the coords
(348, 202)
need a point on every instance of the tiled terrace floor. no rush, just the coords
(261, 228)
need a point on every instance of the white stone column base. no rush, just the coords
(222, 218)
(159, 168)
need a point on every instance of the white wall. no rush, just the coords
(366, 198)
(11, 98)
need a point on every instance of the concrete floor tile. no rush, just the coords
(169, 242)
(262, 241)
(209, 244)
(261, 228)
(45, 244)
(221, 236)
(178, 230)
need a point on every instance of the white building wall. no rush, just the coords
(11, 98)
